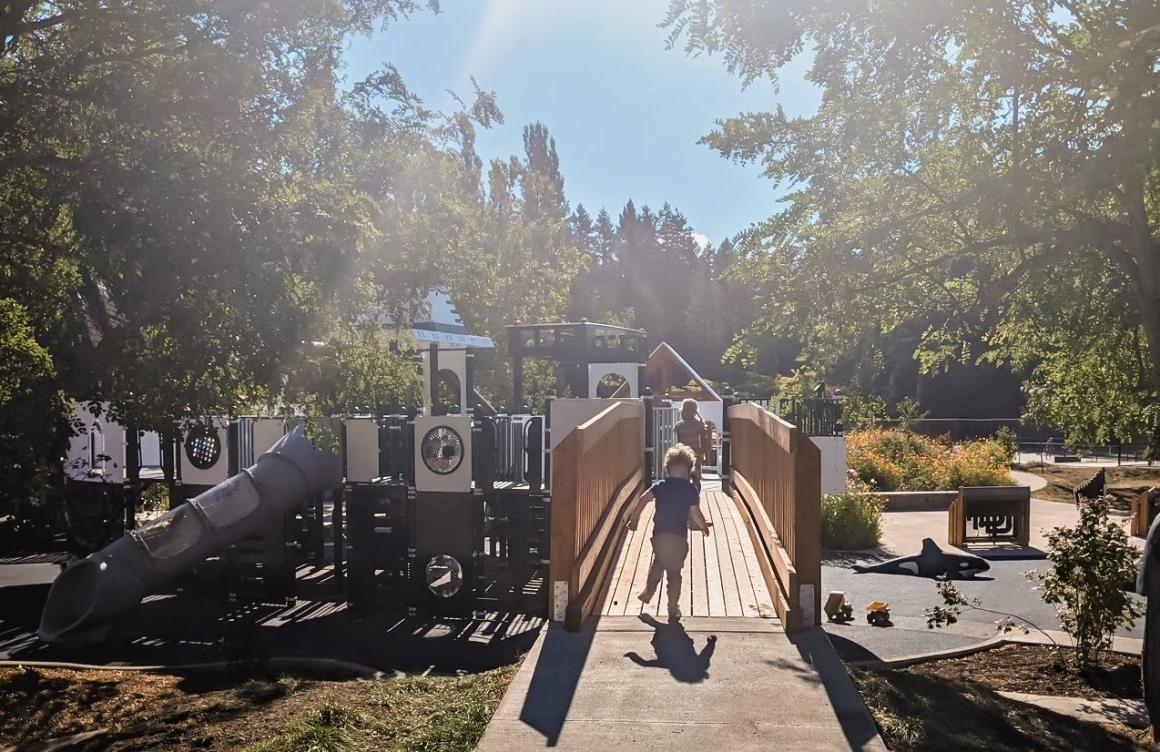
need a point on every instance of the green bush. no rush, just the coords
(851, 521)
(1090, 564)
(896, 460)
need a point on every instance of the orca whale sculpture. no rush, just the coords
(932, 561)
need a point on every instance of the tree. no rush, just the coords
(605, 238)
(179, 210)
(542, 185)
(972, 169)
(582, 232)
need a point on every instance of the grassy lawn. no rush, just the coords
(913, 706)
(1122, 482)
(250, 712)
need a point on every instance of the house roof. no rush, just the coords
(665, 370)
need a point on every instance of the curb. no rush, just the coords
(878, 664)
(286, 662)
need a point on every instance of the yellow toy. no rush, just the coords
(878, 613)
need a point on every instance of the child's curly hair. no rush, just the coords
(680, 454)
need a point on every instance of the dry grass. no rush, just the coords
(912, 706)
(1123, 483)
(920, 712)
(258, 713)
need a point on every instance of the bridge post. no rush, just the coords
(649, 435)
(726, 459)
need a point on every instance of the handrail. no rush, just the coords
(775, 471)
(597, 470)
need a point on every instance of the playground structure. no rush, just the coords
(434, 508)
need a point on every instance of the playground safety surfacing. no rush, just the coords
(192, 627)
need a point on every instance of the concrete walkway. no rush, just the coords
(1131, 713)
(706, 683)
(1031, 480)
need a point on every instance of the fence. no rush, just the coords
(816, 416)
(664, 436)
(597, 470)
(776, 472)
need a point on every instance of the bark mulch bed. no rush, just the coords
(953, 705)
(248, 711)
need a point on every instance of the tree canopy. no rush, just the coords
(199, 215)
(982, 175)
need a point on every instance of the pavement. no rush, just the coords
(1029, 459)
(1031, 480)
(1003, 589)
(709, 683)
(1131, 713)
(903, 532)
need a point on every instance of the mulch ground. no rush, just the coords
(1042, 671)
(953, 705)
(1123, 483)
(238, 712)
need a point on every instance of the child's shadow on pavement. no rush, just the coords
(676, 652)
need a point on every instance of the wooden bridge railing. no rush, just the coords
(776, 475)
(597, 470)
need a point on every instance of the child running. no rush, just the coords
(677, 510)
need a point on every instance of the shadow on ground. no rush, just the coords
(914, 713)
(192, 627)
(676, 652)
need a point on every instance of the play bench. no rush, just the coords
(994, 513)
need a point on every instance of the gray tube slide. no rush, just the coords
(90, 594)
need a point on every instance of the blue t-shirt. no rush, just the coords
(673, 496)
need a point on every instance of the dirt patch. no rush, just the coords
(248, 711)
(912, 706)
(1041, 671)
(1123, 483)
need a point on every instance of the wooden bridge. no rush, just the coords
(747, 668)
(763, 559)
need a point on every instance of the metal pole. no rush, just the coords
(433, 376)
(517, 381)
(547, 440)
(649, 436)
(726, 443)
(467, 408)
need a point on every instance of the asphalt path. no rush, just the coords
(1004, 589)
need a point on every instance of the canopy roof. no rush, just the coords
(438, 323)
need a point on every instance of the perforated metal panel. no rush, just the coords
(200, 465)
(445, 434)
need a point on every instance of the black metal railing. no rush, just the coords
(816, 416)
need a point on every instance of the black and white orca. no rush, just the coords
(932, 561)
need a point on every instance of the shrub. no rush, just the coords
(1006, 438)
(975, 463)
(897, 460)
(1091, 562)
(851, 521)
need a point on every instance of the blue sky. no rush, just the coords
(625, 112)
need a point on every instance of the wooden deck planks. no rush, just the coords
(721, 574)
(623, 596)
